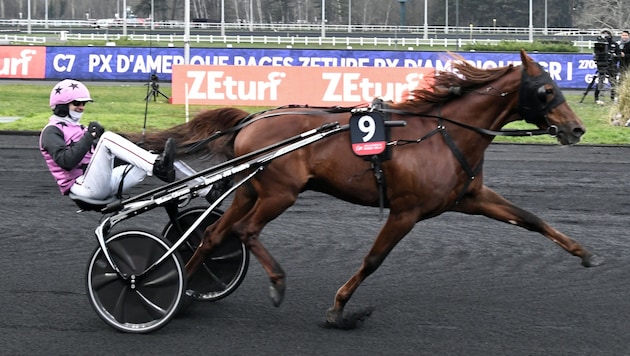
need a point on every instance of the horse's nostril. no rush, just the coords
(579, 131)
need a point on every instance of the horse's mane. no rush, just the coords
(447, 85)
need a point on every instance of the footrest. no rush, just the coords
(91, 204)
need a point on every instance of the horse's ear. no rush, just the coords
(528, 64)
(525, 59)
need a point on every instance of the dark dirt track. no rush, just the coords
(457, 285)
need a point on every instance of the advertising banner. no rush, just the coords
(570, 70)
(275, 86)
(22, 62)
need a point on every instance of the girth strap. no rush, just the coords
(380, 183)
(456, 152)
(378, 104)
(470, 172)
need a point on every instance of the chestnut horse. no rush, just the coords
(434, 166)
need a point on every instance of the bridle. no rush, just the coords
(532, 96)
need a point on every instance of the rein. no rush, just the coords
(530, 110)
(265, 114)
(319, 110)
(552, 130)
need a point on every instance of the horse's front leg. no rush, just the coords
(488, 203)
(396, 227)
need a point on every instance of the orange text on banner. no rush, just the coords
(276, 86)
(23, 62)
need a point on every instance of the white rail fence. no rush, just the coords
(288, 41)
(19, 39)
(24, 24)
(284, 40)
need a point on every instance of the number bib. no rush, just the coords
(367, 133)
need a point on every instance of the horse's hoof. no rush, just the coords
(335, 319)
(276, 292)
(592, 261)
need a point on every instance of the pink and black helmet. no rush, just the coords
(68, 90)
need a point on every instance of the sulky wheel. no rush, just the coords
(223, 269)
(136, 300)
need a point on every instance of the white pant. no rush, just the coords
(101, 179)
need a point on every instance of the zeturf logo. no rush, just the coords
(22, 62)
(272, 86)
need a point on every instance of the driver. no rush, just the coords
(81, 159)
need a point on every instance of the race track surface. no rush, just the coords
(456, 285)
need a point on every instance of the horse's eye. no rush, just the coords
(543, 92)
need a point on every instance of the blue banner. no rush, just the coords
(571, 71)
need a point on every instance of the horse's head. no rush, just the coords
(541, 103)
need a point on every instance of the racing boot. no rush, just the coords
(163, 165)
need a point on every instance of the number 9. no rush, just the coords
(366, 125)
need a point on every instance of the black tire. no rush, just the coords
(224, 268)
(153, 299)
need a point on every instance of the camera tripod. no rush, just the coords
(155, 91)
(600, 77)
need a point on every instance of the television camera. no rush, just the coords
(605, 56)
(155, 88)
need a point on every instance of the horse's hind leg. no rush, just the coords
(216, 232)
(490, 204)
(397, 226)
(271, 266)
(240, 219)
(266, 208)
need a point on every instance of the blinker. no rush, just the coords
(533, 104)
(543, 92)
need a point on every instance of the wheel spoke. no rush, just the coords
(229, 256)
(169, 278)
(153, 309)
(100, 281)
(120, 254)
(198, 235)
(155, 253)
(119, 307)
(213, 276)
(191, 248)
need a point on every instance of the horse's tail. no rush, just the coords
(196, 133)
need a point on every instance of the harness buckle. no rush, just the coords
(359, 110)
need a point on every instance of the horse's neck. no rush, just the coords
(490, 107)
